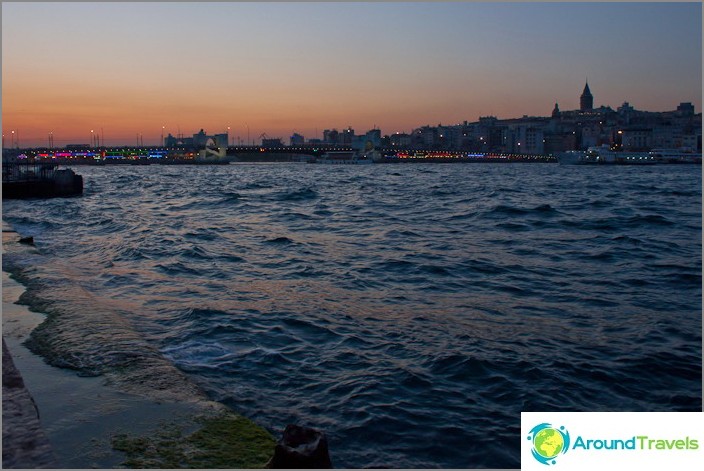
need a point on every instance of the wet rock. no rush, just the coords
(301, 448)
(27, 240)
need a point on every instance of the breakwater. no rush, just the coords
(411, 312)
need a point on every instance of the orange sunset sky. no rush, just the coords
(125, 69)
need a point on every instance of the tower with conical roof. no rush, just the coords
(586, 101)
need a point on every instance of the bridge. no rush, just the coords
(211, 154)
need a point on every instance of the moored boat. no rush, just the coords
(604, 155)
(676, 156)
(575, 157)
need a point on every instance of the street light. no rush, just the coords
(162, 135)
(92, 139)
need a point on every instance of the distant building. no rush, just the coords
(346, 137)
(272, 142)
(685, 109)
(637, 139)
(586, 100)
(559, 142)
(200, 139)
(297, 140)
(330, 136)
(426, 137)
(221, 140)
(371, 140)
(197, 141)
(401, 140)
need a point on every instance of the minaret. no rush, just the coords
(586, 101)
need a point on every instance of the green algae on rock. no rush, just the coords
(223, 441)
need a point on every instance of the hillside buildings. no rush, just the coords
(625, 128)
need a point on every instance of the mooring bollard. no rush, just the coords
(302, 448)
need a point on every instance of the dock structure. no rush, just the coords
(38, 180)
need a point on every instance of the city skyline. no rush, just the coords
(150, 69)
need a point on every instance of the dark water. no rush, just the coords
(410, 311)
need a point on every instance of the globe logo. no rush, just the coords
(548, 442)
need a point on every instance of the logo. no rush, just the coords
(549, 442)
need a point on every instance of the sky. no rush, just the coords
(277, 68)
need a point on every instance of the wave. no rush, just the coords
(302, 194)
(507, 210)
(280, 241)
(93, 337)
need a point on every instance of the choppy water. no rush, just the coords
(410, 311)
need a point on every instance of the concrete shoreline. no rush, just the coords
(24, 444)
(69, 421)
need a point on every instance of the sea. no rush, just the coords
(409, 311)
